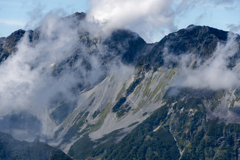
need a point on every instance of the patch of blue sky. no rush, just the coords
(218, 17)
(15, 14)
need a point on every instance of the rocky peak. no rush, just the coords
(199, 40)
(8, 44)
(126, 44)
(15, 37)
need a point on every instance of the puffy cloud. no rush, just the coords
(140, 16)
(151, 19)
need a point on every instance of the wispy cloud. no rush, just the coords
(200, 18)
(13, 22)
(234, 28)
(35, 15)
(39, 72)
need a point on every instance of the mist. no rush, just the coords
(59, 63)
(214, 73)
(55, 65)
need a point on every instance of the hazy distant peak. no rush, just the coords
(80, 16)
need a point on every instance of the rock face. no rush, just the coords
(8, 45)
(125, 44)
(136, 109)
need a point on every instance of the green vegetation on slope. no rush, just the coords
(143, 143)
(85, 147)
(11, 149)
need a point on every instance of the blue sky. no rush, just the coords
(16, 14)
(222, 14)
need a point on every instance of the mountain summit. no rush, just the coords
(79, 16)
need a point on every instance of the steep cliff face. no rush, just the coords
(175, 99)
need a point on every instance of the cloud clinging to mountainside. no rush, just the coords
(39, 71)
(214, 73)
(54, 68)
(25, 77)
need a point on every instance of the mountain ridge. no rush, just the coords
(139, 97)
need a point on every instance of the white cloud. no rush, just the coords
(140, 16)
(26, 77)
(150, 19)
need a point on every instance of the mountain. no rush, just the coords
(199, 40)
(7, 45)
(122, 98)
(11, 148)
